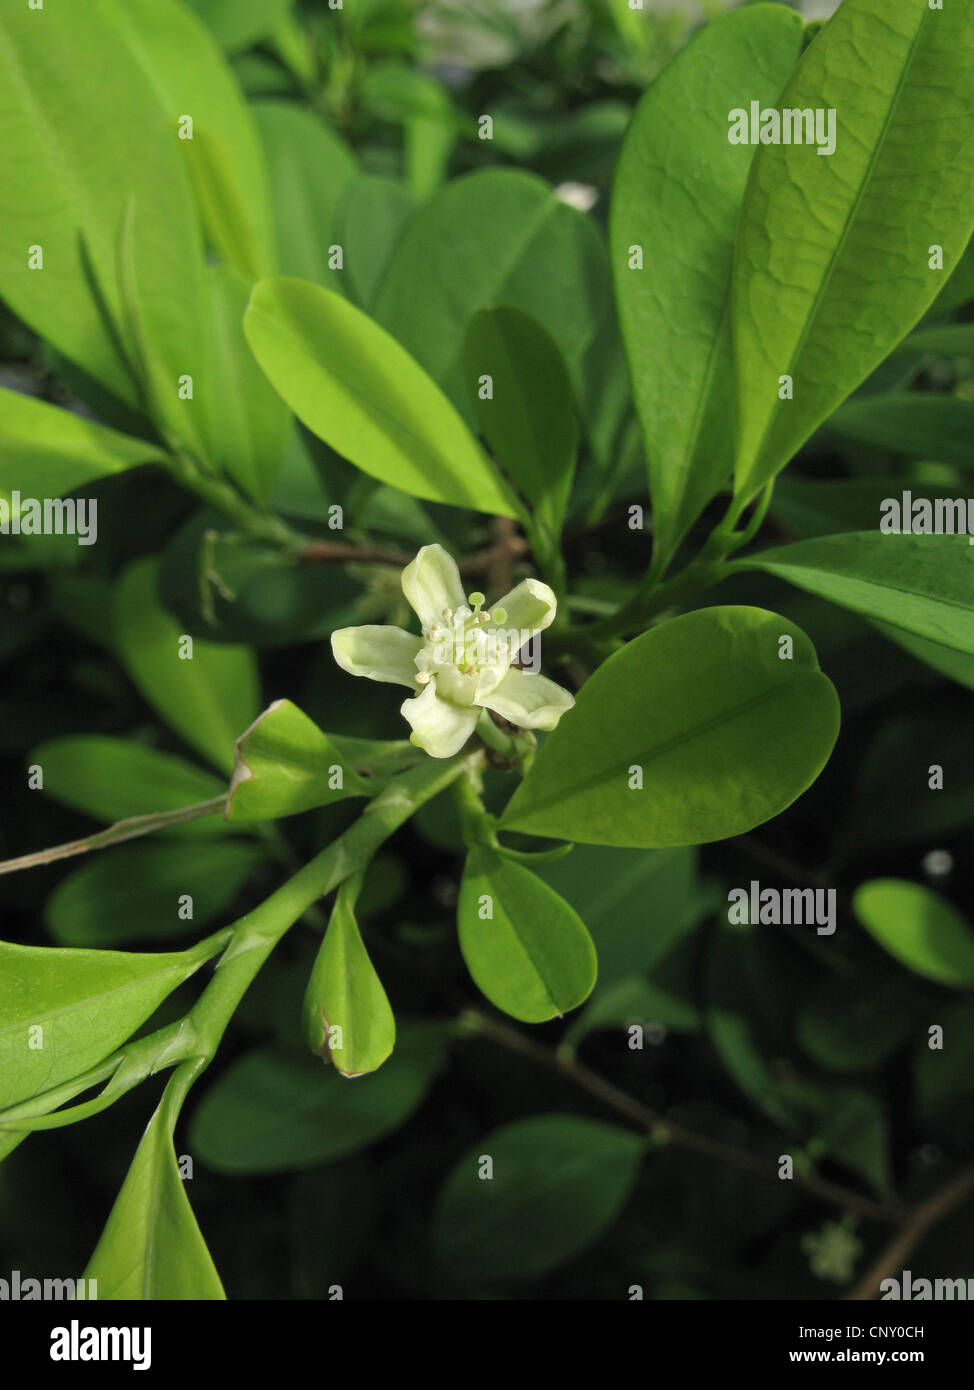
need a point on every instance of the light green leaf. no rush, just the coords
(188, 74)
(270, 1112)
(529, 419)
(919, 928)
(237, 26)
(558, 1183)
(63, 1011)
(526, 948)
(151, 1247)
(310, 172)
(500, 236)
(923, 584)
(677, 195)
(247, 423)
(209, 699)
(111, 779)
(136, 893)
(347, 1017)
(358, 390)
(724, 721)
(371, 220)
(833, 255)
(285, 764)
(940, 428)
(46, 451)
(94, 131)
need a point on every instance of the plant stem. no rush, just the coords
(657, 1125)
(116, 834)
(916, 1225)
(255, 935)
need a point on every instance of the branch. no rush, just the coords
(116, 834)
(658, 1126)
(916, 1225)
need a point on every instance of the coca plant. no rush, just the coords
(442, 435)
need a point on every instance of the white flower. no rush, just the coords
(463, 661)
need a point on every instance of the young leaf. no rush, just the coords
(833, 261)
(270, 1112)
(528, 417)
(94, 131)
(310, 172)
(676, 197)
(940, 428)
(111, 779)
(285, 764)
(189, 75)
(699, 729)
(209, 697)
(557, 1183)
(527, 950)
(501, 236)
(358, 390)
(63, 1011)
(924, 584)
(347, 1018)
(151, 1247)
(57, 450)
(919, 928)
(247, 424)
(138, 892)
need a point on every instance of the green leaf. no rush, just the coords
(832, 265)
(345, 994)
(270, 1112)
(956, 666)
(47, 451)
(527, 950)
(237, 26)
(951, 340)
(677, 195)
(846, 1028)
(501, 236)
(371, 220)
(285, 764)
(310, 172)
(111, 779)
(94, 131)
(627, 1003)
(136, 893)
(63, 1011)
(558, 1183)
(210, 698)
(919, 928)
(959, 289)
(247, 423)
(724, 728)
(188, 74)
(636, 903)
(151, 1247)
(529, 420)
(940, 428)
(358, 390)
(923, 584)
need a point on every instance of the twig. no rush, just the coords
(116, 834)
(481, 561)
(659, 1126)
(916, 1225)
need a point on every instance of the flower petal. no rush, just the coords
(439, 727)
(530, 701)
(530, 607)
(431, 584)
(381, 653)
